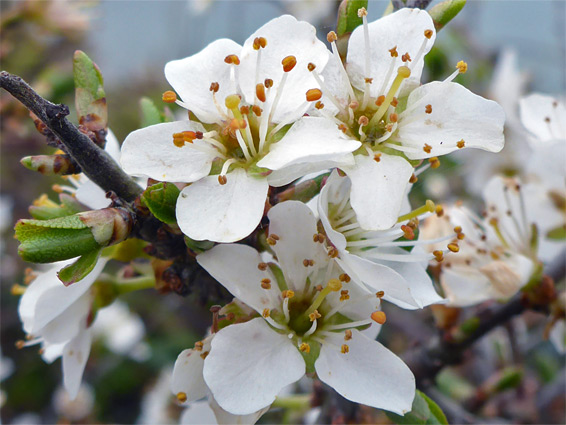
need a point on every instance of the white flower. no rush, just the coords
(310, 321)
(495, 258)
(375, 258)
(375, 98)
(246, 97)
(558, 336)
(545, 118)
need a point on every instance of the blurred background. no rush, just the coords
(126, 380)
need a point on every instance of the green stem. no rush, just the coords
(294, 402)
(123, 286)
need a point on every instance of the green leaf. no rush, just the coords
(198, 246)
(150, 115)
(47, 241)
(348, 19)
(90, 99)
(511, 377)
(161, 199)
(424, 412)
(80, 268)
(444, 12)
(557, 234)
(45, 209)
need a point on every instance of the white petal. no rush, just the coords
(75, 356)
(335, 190)
(465, 286)
(198, 413)
(378, 189)
(369, 373)
(403, 29)
(291, 173)
(295, 225)
(544, 116)
(558, 336)
(191, 78)
(91, 195)
(222, 213)
(249, 364)
(224, 417)
(187, 374)
(285, 37)
(309, 140)
(150, 152)
(236, 268)
(68, 323)
(379, 278)
(457, 114)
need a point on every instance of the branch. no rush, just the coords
(94, 162)
(427, 361)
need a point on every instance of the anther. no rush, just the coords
(265, 313)
(363, 120)
(438, 255)
(380, 99)
(344, 295)
(344, 277)
(318, 237)
(268, 83)
(319, 105)
(408, 232)
(379, 317)
(232, 60)
(271, 241)
(380, 294)
(266, 283)
(260, 92)
(368, 80)
(222, 179)
(333, 252)
(393, 52)
(347, 335)
(406, 57)
(377, 157)
(274, 236)
(204, 355)
(199, 345)
(439, 211)
(289, 63)
(311, 66)
(17, 289)
(362, 12)
(413, 179)
(434, 162)
(182, 397)
(259, 42)
(427, 148)
(244, 110)
(344, 349)
(393, 117)
(462, 67)
(262, 266)
(342, 128)
(461, 236)
(331, 37)
(256, 110)
(428, 34)
(20, 344)
(314, 315)
(169, 97)
(394, 102)
(307, 262)
(313, 95)
(461, 144)
(288, 293)
(428, 109)
(214, 87)
(458, 229)
(453, 247)
(305, 348)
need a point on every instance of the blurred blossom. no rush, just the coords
(156, 406)
(77, 409)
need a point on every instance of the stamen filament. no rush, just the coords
(312, 329)
(348, 325)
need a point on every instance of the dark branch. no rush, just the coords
(94, 162)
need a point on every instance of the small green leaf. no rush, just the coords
(424, 412)
(198, 246)
(90, 99)
(510, 378)
(557, 234)
(126, 251)
(150, 115)
(47, 241)
(444, 12)
(161, 199)
(45, 209)
(80, 268)
(348, 19)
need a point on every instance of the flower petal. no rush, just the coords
(285, 37)
(67, 324)
(378, 189)
(404, 30)
(191, 78)
(75, 356)
(236, 268)
(291, 173)
(558, 336)
(224, 417)
(457, 114)
(465, 286)
(369, 373)
(295, 225)
(309, 140)
(335, 190)
(544, 116)
(198, 413)
(187, 374)
(249, 364)
(150, 152)
(222, 213)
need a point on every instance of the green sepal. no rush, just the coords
(47, 241)
(348, 19)
(150, 115)
(161, 199)
(444, 12)
(311, 357)
(90, 99)
(198, 246)
(47, 209)
(126, 251)
(80, 268)
(235, 312)
(279, 277)
(557, 234)
(424, 412)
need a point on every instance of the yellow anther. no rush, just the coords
(453, 247)
(222, 179)
(182, 397)
(260, 92)
(307, 262)
(344, 296)
(430, 206)
(334, 285)
(379, 317)
(342, 128)
(199, 345)
(266, 283)
(393, 117)
(439, 211)
(408, 232)
(319, 105)
(331, 37)
(17, 289)
(393, 52)
(318, 237)
(274, 236)
(344, 349)
(266, 313)
(377, 157)
(380, 99)
(232, 101)
(313, 95)
(458, 229)
(461, 236)
(427, 148)
(380, 294)
(20, 344)
(333, 252)
(438, 255)
(428, 109)
(57, 188)
(462, 67)
(305, 348)
(169, 97)
(214, 87)
(314, 315)
(368, 80)
(344, 277)
(413, 178)
(257, 110)
(289, 63)
(461, 144)
(262, 266)
(311, 66)
(204, 355)
(232, 60)
(428, 34)
(434, 162)
(362, 12)
(394, 102)
(288, 294)
(259, 42)
(347, 335)
(268, 83)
